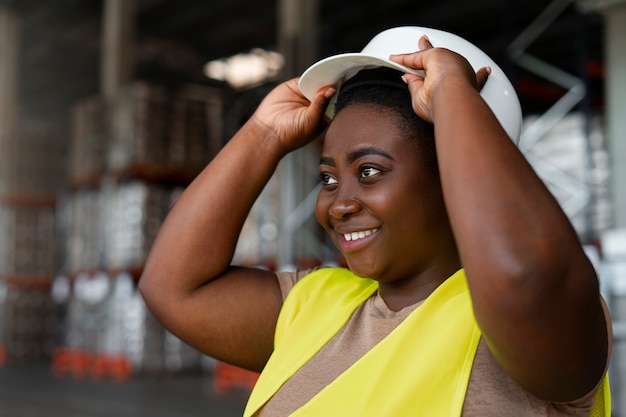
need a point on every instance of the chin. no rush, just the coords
(363, 271)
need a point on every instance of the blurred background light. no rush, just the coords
(246, 70)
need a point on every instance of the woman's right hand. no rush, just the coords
(290, 117)
(189, 282)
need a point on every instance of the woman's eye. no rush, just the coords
(328, 179)
(369, 172)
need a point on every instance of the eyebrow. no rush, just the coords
(353, 156)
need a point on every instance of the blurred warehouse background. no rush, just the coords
(109, 108)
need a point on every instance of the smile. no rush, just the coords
(359, 235)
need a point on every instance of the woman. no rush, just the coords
(468, 292)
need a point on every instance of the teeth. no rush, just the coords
(359, 235)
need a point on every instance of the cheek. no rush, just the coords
(387, 198)
(408, 203)
(321, 210)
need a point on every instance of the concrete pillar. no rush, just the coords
(615, 87)
(297, 40)
(297, 34)
(615, 53)
(614, 12)
(117, 63)
(9, 71)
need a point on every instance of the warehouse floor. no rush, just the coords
(33, 391)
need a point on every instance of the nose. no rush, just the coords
(344, 204)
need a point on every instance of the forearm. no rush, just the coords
(197, 240)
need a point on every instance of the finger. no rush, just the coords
(321, 99)
(414, 60)
(481, 77)
(424, 43)
(329, 92)
(323, 95)
(408, 60)
(410, 78)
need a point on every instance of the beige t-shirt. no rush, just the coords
(491, 392)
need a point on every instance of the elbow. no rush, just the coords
(149, 290)
(145, 291)
(143, 287)
(144, 284)
(156, 297)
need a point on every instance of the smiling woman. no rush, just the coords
(467, 292)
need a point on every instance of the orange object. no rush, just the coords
(114, 366)
(228, 378)
(81, 364)
(3, 355)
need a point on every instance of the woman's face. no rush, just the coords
(379, 203)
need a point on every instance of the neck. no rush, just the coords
(400, 294)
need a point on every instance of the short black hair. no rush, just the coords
(385, 87)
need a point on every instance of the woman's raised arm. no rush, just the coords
(535, 293)
(188, 283)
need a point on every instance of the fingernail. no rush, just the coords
(404, 79)
(330, 92)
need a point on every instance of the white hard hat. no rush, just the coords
(498, 91)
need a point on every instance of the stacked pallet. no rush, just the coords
(131, 161)
(88, 141)
(32, 171)
(163, 136)
(138, 128)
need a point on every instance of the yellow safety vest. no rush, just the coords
(401, 376)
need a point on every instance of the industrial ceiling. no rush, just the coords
(60, 40)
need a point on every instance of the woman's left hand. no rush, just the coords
(441, 66)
